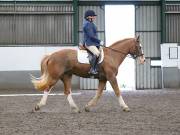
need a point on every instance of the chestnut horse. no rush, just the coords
(63, 64)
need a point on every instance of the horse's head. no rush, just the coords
(136, 50)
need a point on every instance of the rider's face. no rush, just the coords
(92, 18)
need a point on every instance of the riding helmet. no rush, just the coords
(89, 13)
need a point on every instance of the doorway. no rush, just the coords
(120, 24)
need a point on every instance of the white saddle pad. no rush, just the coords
(82, 56)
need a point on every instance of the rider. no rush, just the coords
(91, 41)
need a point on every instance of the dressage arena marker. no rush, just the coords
(52, 94)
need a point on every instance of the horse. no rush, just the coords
(61, 65)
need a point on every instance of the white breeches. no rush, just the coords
(94, 50)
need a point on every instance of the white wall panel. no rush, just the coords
(24, 58)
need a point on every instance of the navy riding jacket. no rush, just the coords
(90, 34)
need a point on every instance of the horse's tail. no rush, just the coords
(45, 81)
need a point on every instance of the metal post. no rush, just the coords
(163, 21)
(75, 21)
(14, 23)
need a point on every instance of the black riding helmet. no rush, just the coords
(89, 13)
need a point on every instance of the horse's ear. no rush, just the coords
(137, 38)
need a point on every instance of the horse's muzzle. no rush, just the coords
(142, 59)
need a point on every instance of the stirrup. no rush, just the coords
(92, 71)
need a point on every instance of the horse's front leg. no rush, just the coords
(114, 84)
(67, 91)
(95, 99)
(43, 100)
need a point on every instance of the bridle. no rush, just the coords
(134, 56)
(137, 54)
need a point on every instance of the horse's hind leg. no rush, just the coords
(114, 84)
(95, 99)
(43, 100)
(67, 91)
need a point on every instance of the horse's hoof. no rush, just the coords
(36, 108)
(126, 109)
(87, 109)
(76, 110)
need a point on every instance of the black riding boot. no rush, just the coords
(93, 63)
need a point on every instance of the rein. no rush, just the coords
(114, 49)
(131, 55)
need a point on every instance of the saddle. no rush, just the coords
(83, 56)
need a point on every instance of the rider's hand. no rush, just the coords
(102, 43)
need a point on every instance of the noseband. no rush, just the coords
(134, 56)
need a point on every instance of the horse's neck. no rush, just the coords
(122, 48)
